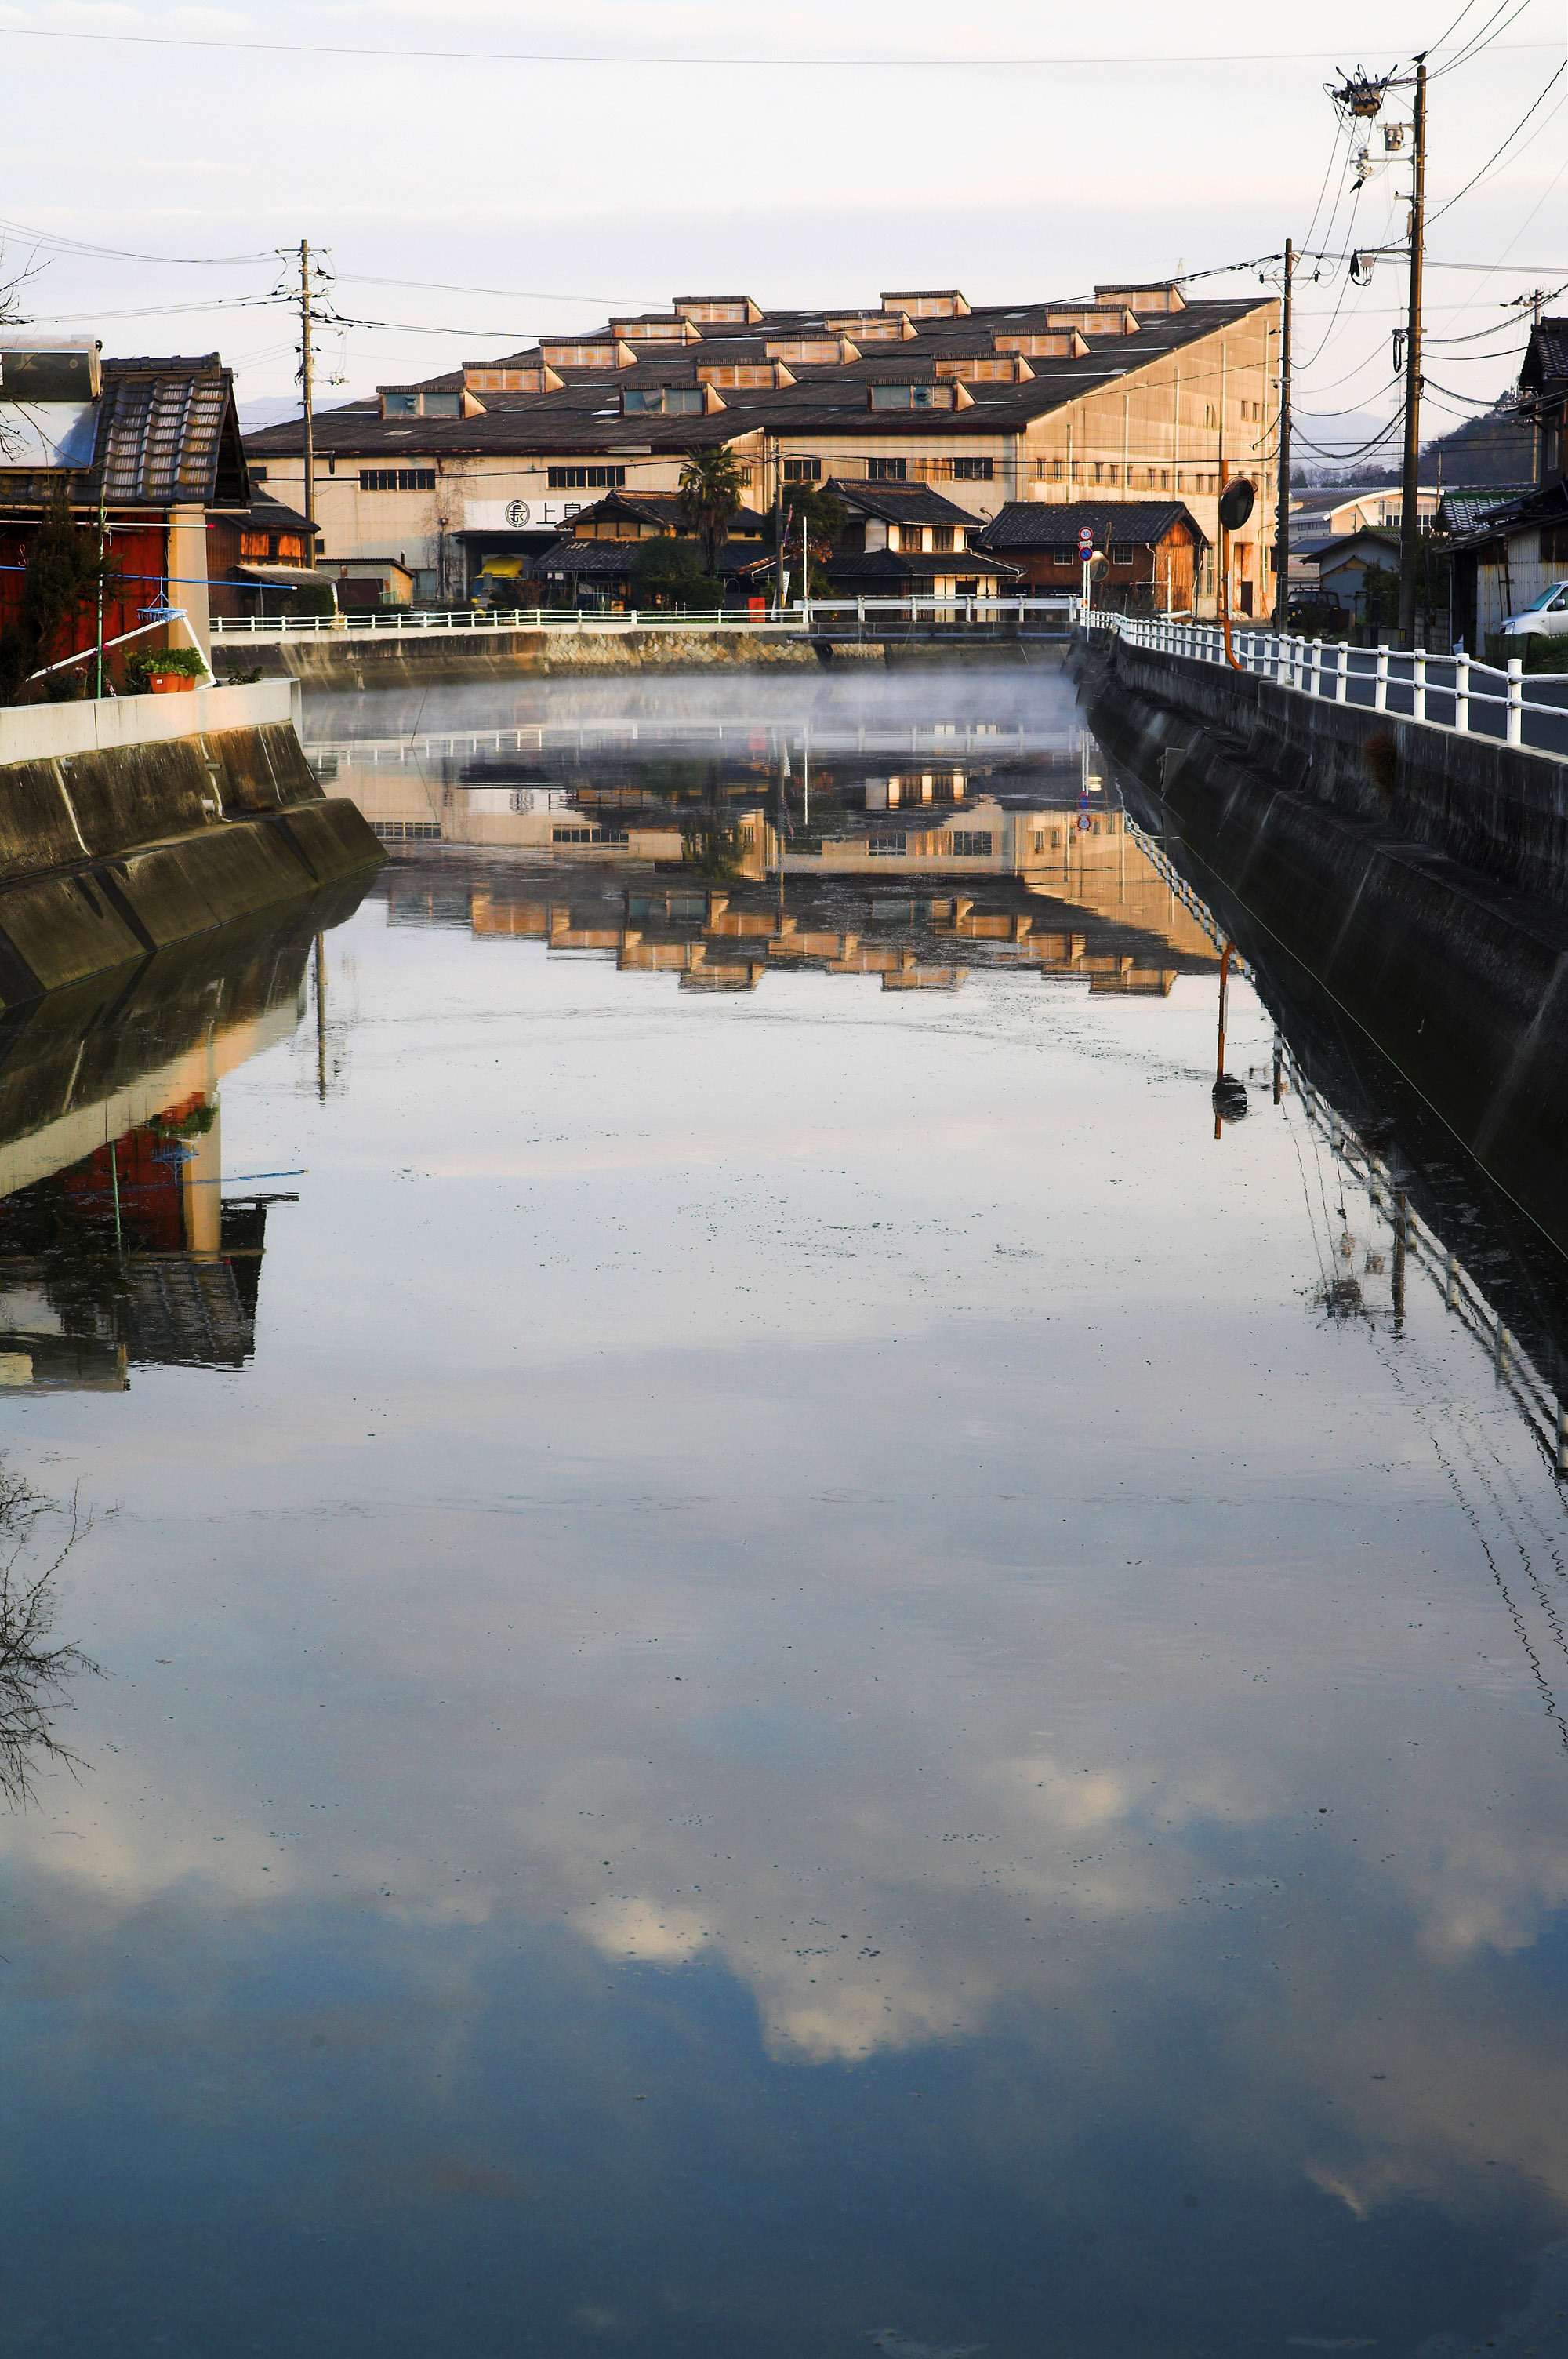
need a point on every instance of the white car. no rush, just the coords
(1544, 617)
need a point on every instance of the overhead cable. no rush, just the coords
(681, 64)
(1507, 143)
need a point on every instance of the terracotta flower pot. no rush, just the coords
(169, 683)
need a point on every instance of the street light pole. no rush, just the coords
(1410, 520)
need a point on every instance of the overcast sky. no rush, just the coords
(802, 153)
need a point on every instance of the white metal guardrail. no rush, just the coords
(817, 614)
(1449, 691)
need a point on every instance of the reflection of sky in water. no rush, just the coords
(803, 1693)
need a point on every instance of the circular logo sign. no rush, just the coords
(517, 514)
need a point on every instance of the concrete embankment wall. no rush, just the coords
(397, 659)
(1411, 871)
(133, 824)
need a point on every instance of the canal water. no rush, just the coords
(775, 1655)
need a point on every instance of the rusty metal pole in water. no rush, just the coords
(321, 1020)
(1400, 1222)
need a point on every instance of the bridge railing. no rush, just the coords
(872, 616)
(1452, 691)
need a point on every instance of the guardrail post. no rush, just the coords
(1341, 670)
(1381, 692)
(1516, 700)
(1418, 685)
(1462, 691)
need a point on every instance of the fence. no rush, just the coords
(1450, 691)
(870, 617)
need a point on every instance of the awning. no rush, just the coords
(287, 577)
(504, 568)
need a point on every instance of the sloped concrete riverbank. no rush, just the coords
(1421, 877)
(126, 829)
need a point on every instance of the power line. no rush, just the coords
(584, 57)
(117, 253)
(1507, 143)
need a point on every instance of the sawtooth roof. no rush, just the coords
(584, 417)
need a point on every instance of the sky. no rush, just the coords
(611, 154)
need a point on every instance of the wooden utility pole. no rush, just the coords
(307, 386)
(1410, 517)
(1282, 456)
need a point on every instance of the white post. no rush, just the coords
(1341, 671)
(1516, 700)
(1462, 693)
(1380, 693)
(1418, 685)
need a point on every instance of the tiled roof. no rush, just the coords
(1547, 505)
(613, 559)
(1546, 357)
(667, 509)
(1465, 510)
(896, 503)
(168, 435)
(1045, 524)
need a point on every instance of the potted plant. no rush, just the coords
(164, 672)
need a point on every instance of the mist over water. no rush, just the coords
(796, 1671)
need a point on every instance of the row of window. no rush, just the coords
(587, 479)
(1107, 471)
(964, 843)
(796, 470)
(587, 835)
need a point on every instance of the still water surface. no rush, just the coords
(783, 1668)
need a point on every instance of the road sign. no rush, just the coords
(1085, 539)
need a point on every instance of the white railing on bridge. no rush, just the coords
(870, 616)
(1451, 692)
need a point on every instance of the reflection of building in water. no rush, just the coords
(731, 936)
(859, 804)
(117, 1246)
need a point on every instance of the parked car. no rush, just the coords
(1544, 617)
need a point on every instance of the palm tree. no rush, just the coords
(710, 490)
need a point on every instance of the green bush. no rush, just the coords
(143, 663)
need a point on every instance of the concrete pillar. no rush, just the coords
(200, 1182)
(188, 573)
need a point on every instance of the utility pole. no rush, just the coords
(1410, 520)
(1282, 456)
(778, 531)
(307, 386)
